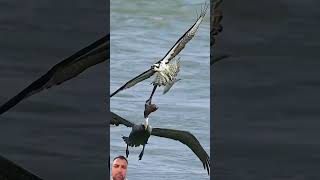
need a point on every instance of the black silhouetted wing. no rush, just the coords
(217, 58)
(67, 69)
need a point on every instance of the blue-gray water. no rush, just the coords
(266, 96)
(141, 34)
(59, 133)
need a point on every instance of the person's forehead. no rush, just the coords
(120, 161)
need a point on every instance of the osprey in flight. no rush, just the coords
(166, 70)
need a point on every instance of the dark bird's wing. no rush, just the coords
(188, 139)
(67, 69)
(134, 81)
(187, 36)
(116, 120)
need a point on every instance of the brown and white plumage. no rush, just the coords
(67, 69)
(168, 76)
(173, 52)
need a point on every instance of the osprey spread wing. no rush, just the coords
(163, 67)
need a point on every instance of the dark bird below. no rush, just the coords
(67, 69)
(140, 134)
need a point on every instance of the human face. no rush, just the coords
(119, 169)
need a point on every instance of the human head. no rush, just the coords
(119, 168)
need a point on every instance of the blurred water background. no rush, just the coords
(265, 97)
(142, 32)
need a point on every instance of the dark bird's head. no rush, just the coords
(149, 108)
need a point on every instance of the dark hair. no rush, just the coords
(121, 157)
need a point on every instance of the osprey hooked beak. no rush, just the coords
(155, 67)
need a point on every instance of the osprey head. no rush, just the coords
(155, 66)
